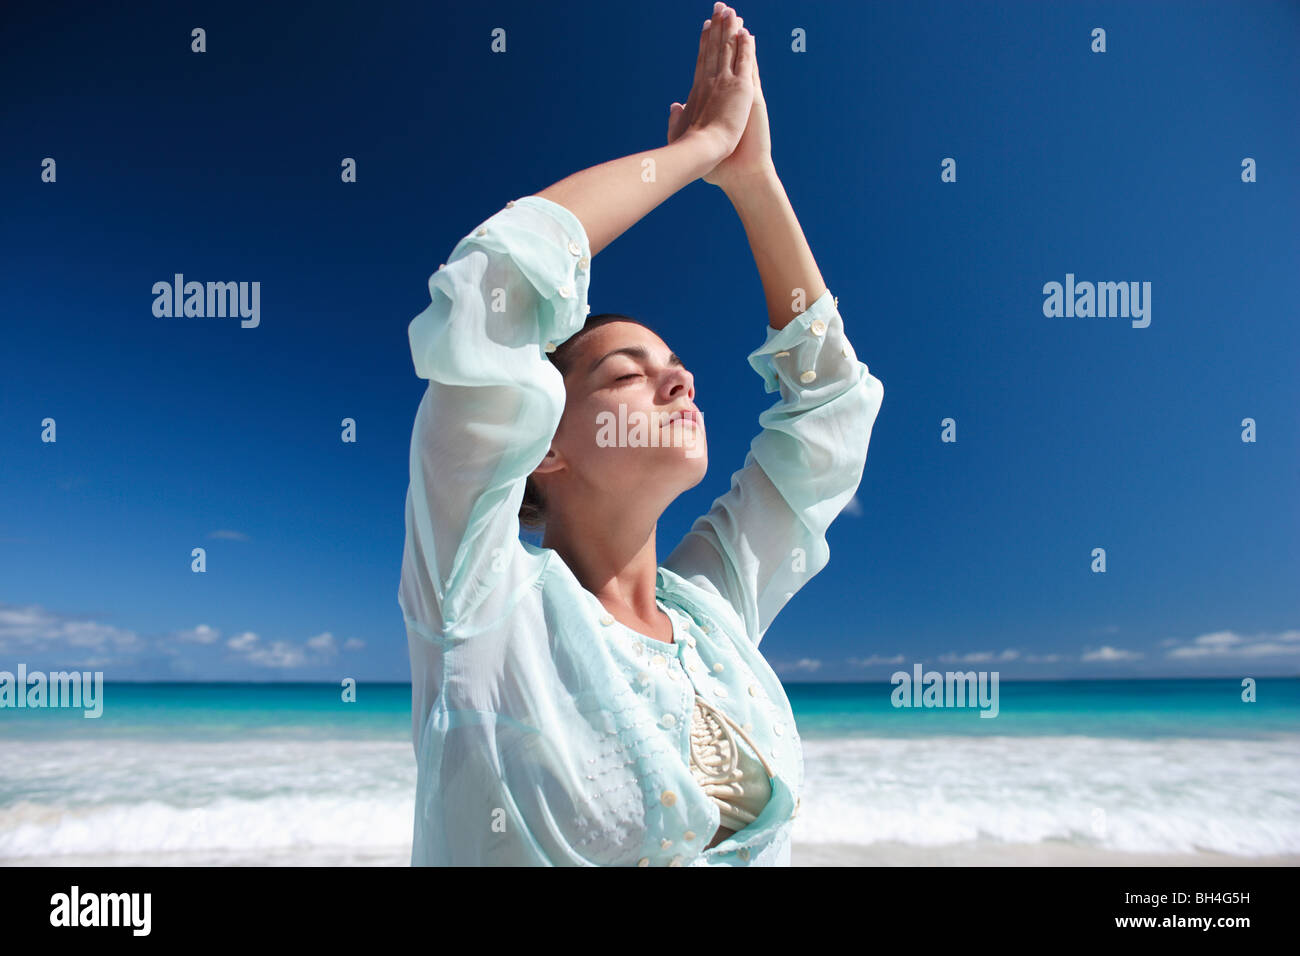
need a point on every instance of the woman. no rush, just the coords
(578, 703)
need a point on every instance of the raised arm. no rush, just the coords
(766, 537)
(512, 288)
(608, 199)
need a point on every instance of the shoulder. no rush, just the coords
(698, 597)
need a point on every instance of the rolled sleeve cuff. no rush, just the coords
(795, 348)
(549, 246)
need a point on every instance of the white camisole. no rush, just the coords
(738, 783)
(736, 777)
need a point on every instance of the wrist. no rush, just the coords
(738, 183)
(705, 147)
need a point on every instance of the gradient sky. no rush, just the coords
(1073, 433)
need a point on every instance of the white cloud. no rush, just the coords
(284, 654)
(1109, 653)
(874, 660)
(976, 657)
(803, 664)
(242, 642)
(324, 643)
(1232, 644)
(199, 635)
(229, 535)
(61, 640)
(32, 628)
(279, 654)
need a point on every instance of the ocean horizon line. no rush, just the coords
(315, 682)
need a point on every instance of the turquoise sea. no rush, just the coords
(290, 773)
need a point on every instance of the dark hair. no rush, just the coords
(532, 510)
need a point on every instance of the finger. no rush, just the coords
(713, 44)
(745, 58)
(699, 60)
(674, 112)
(706, 37)
(731, 27)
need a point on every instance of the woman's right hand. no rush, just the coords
(723, 90)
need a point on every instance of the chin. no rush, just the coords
(696, 466)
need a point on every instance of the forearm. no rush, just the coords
(610, 198)
(785, 263)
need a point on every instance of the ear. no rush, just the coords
(551, 463)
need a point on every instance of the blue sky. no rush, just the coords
(1072, 433)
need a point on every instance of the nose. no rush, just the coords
(679, 379)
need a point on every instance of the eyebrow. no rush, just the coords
(636, 352)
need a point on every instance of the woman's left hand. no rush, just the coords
(753, 153)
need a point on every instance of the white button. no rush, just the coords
(550, 346)
(836, 300)
(717, 667)
(606, 619)
(688, 835)
(844, 350)
(691, 667)
(675, 861)
(658, 661)
(583, 262)
(743, 853)
(776, 729)
(674, 674)
(565, 291)
(780, 355)
(442, 265)
(719, 689)
(753, 690)
(588, 309)
(665, 843)
(706, 627)
(818, 327)
(644, 861)
(807, 376)
(510, 203)
(667, 798)
(690, 640)
(574, 247)
(482, 231)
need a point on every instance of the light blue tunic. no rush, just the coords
(545, 732)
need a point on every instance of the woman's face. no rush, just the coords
(614, 437)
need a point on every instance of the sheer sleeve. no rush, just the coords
(765, 538)
(512, 290)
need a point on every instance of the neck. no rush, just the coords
(617, 562)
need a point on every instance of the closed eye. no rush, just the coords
(629, 375)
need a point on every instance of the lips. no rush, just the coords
(685, 415)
